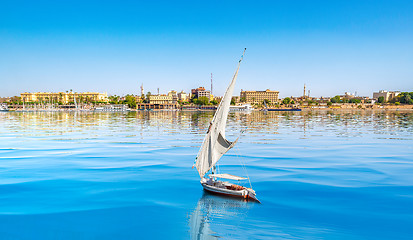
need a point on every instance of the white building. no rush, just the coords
(173, 95)
(182, 96)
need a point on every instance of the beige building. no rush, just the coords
(201, 92)
(64, 97)
(174, 96)
(160, 99)
(182, 96)
(386, 94)
(257, 97)
(206, 94)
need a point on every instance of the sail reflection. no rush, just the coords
(212, 214)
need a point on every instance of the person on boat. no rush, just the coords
(210, 181)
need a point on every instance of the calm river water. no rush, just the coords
(319, 175)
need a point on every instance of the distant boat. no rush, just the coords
(4, 107)
(247, 108)
(215, 146)
(266, 107)
(113, 108)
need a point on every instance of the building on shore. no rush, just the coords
(200, 92)
(257, 97)
(157, 106)
(174, 96)
(64, 97)
(182, 96)
(160, 99)
(388, 95)
(347, 95)
(5, 99)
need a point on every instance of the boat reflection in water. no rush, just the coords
(212, 214)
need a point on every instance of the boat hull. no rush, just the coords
(245, 193)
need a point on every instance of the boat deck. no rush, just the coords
(227, 188)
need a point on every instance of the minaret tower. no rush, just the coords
(304, 91)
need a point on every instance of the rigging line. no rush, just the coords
(242, 165)
(241, 161)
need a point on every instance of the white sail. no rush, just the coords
(215, 145)
(227, 176)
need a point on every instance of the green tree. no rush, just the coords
(286, 100)
(214, 102)
(243, 99)
(405, 98)
(329, 103)
(266, 101)
(201, 101)
(114, 99)
(381, 99)
(309, 102)
(335, 99)
(148, 95)
(131, 101)
(232, 101)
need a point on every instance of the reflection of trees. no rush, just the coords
(182, 122)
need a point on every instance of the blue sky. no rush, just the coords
(115, 46)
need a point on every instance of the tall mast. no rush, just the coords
(215, 145)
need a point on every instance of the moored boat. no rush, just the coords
(246, 108)
(4, 107)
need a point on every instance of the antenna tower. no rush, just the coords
(211, 83)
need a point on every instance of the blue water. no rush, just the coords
(319, 175)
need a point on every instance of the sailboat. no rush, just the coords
(214, 146)
(266, 107)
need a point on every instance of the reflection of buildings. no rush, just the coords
(64, 97)
(257, 97)
(209, 208)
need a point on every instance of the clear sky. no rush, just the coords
(115, 46)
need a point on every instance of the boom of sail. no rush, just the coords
(215, 144)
